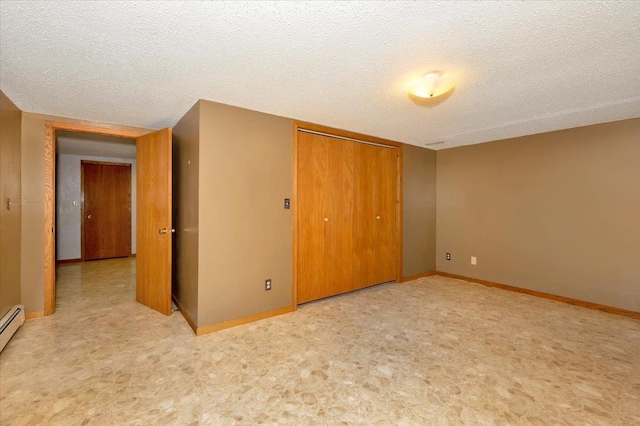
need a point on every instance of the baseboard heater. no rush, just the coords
(10, 323)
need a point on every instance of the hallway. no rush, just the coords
(98, 284)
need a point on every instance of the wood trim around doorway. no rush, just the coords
(49, 196)
(294, 196)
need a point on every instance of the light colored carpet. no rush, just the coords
(431, 351)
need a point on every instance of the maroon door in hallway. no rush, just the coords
(106, 189)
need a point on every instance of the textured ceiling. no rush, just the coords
(520, 67)
(95, 145)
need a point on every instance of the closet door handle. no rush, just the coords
(378, 217)
(326, 219)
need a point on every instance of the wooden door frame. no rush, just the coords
(50, 128)
(294, 197)
(104, 163)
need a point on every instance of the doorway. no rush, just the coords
(95, 198)
(153, 212)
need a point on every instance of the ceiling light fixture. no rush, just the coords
(431, 85)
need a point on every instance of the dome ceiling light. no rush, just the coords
(431, 85)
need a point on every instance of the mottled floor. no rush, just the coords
(431, 351)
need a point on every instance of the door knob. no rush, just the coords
(378, 217)
(88, 216)
(326, 219)
(165, 230)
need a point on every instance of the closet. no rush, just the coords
(347, 215)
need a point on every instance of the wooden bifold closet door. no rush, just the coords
(347, 216)
(325, 216)
(375, 215)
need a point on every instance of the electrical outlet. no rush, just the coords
(448, 256)
(473, 260)
(267, 285)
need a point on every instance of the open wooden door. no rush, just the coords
(154, 223)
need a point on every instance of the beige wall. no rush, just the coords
(556, 212)
(10, 218)
(418, 211)
(186, 137)
(245, 232)
(32, 172)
